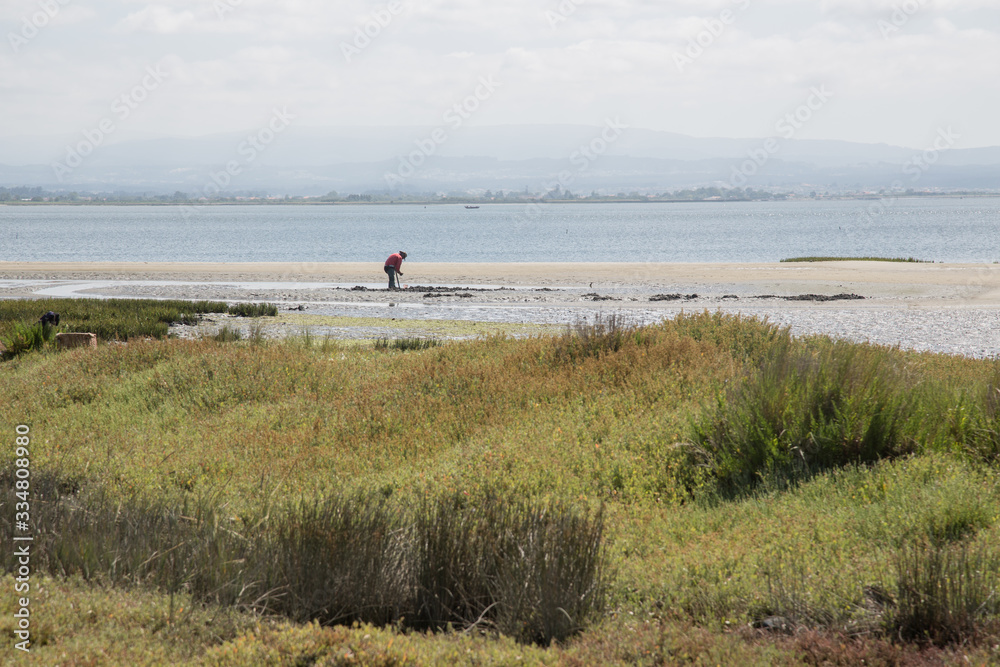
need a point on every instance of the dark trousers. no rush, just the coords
(391, 271)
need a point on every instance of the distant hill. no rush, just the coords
(315, 160)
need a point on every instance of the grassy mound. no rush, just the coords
(698, 487)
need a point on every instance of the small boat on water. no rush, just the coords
(471, 207)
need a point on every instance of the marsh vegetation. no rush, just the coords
(706, 489)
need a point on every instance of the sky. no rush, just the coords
(873, 71)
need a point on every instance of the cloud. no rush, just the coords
(158, 19)
(15, 10)
(869, 8)
(607, 57)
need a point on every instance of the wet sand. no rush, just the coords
(979, 283)
(951, 308)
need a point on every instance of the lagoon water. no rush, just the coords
(938, 229)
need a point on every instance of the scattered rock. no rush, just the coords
(823, 297)
(432, 290)
(66, 341)
(730, 296)
(672, 297)
(774, 624)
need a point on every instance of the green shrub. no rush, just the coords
(253, 309)
(228, 334)
(807, 408)
(973, 424)
(337, 560)
(607, 334)
(747, 339)
(531, 569)
(24, 338)
(405, 344)
(110, 319)
(256, 336)
(944, 591)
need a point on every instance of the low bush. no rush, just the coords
(256, 336)
(253, 309)
(405, 344)
(971, 423)
(110, 319)
(228, 334)
(22, 338)
(747, 339)
(944, 591)
(606, 334)
(533, 570)
(807, 408)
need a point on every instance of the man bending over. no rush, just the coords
(393, 267)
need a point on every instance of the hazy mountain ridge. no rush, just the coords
(316, 160)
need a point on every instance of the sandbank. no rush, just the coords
(977, 284)
(953, 308)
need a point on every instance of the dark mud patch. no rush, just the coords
(431, 290)
(824, 297)
(594, 296)
(673, 297)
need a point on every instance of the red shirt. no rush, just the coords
(395, 261)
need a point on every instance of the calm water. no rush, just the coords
(951, 230)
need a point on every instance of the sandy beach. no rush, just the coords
(978, 282)
(951, 308)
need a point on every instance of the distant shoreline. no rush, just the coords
(522, 202)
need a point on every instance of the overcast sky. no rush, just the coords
(892, 71)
